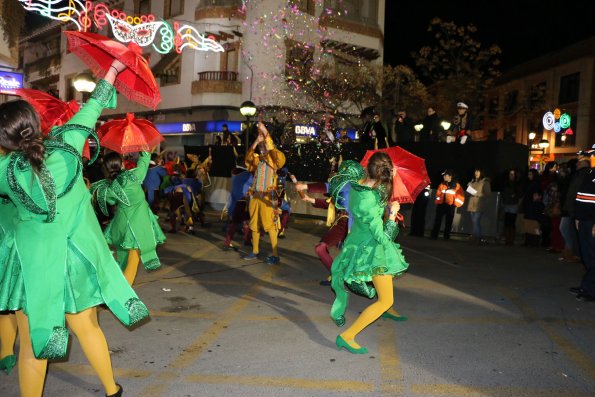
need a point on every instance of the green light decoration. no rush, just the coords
(565, 120)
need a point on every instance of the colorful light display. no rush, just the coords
(557, 121)
(143, 30)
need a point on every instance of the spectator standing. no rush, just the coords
(511, 197)
(431, 130)
(571, 252)
(368, 137)
(449, 196)
(379, 133)
(403, 131)
(585, 215)
(343, 137)
(462, 124)
(478, 188)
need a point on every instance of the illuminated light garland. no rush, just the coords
(126, 28)
(548, 121)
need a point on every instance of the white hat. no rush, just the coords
(462, 105)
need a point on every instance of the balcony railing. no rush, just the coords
(219, 3)
(218, 76)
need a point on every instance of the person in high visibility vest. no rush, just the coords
(449, 196)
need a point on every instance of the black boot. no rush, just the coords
(118, 393)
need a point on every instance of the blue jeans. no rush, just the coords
(476, 222)
(570, 234)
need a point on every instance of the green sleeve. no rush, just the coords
(104, 96)
(142, 166)
(366, 210)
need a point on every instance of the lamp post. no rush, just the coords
(247, 109)
(84, 82)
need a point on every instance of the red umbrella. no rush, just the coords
(410, 175)
(129, 135)
(136, 83)
(52, 111)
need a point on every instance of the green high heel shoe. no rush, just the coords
(341, 343)
(393, 317)
(8, 363)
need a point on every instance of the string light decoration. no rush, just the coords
(143, 30)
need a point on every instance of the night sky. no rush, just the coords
(523, 29)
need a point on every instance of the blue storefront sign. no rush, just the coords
(197, 127)
(10, 82)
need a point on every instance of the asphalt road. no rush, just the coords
(483, 321)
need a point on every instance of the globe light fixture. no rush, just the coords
(418, 127)
(445, 125)
(532, 135)
(247, 109)
(84, 82)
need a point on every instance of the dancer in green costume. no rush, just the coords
(369, 252)
(65, 264)
(8, 321)
(134, 227)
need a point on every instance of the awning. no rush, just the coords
(358, 51)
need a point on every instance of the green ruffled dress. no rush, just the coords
(369, 249)
(9, 272)
(63, 263)
(134, 225)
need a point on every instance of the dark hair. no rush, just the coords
(380, 167)
(19, 131)
(112, 165)
(481, 175)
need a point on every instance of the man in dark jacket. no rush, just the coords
(403, 130)
(431, 127)
(584, 212)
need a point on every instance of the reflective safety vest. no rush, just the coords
(450, 195)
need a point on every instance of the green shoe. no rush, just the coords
(7, 363)
(341, 343)
(393, 317)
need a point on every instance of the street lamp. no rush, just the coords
(445, 125)
(418, 127)
(532, 135)
(544, 144)
(247, 109)
(84, 82)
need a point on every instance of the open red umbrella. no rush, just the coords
(129, 135)
(410, 175)
(136, 83)
(52, 111)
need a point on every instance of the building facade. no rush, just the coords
(560, 83)
(202, 90)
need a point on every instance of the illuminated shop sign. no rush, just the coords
(176, 128)
(195, 127)
(217, 126)
(10, 82)
(306, 130)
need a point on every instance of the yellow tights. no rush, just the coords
(132, 266)
(273, 233)
(90, 336)
(8, 334)
(384, 289)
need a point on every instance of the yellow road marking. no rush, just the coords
(436, 390)
(296, 383)
(87, 370)
(390, 363)
(574, 354)
(158, 274)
